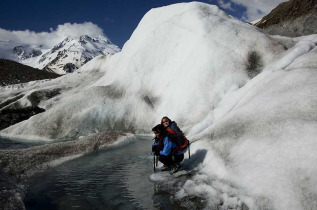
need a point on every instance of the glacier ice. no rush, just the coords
(174, 54)
(190, 61)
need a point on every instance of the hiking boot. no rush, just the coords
(165, 168)
(175, 169)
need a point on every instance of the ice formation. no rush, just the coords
(240, 94)
(181, 59)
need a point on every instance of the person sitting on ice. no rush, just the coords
(168, 123)
(164, 148)
(175, 133)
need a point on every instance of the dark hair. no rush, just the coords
(166, 118)
(160, 129)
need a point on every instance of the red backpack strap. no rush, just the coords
(182, 147)
(171, 131)
(185, 145)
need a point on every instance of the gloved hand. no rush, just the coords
(154, 148)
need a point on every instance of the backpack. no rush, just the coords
(179, 139)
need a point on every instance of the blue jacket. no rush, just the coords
(168, 147)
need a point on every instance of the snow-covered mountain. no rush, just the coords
(65, 57)
(26, 51)
(246, 98)
(72, 53)
(20, 52)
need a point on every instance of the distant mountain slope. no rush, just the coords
(292, 18)
(20, 52)
(72, 53)
(65, 57)
(13, 73)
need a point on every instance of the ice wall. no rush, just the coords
(265, 146)
(180, 61)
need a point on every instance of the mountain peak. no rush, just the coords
(73, 52)
(65, 57)
(99, 38)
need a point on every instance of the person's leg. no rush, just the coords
(166, 160)
(176, 162)
(178, 158)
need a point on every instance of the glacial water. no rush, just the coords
(114, 178)
(9, 144)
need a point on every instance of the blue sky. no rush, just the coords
(117, 18)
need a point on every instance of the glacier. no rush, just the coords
(247, 97)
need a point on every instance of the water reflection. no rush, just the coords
(116, 178)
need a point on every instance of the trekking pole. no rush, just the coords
(154, 162)
(189, 150)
